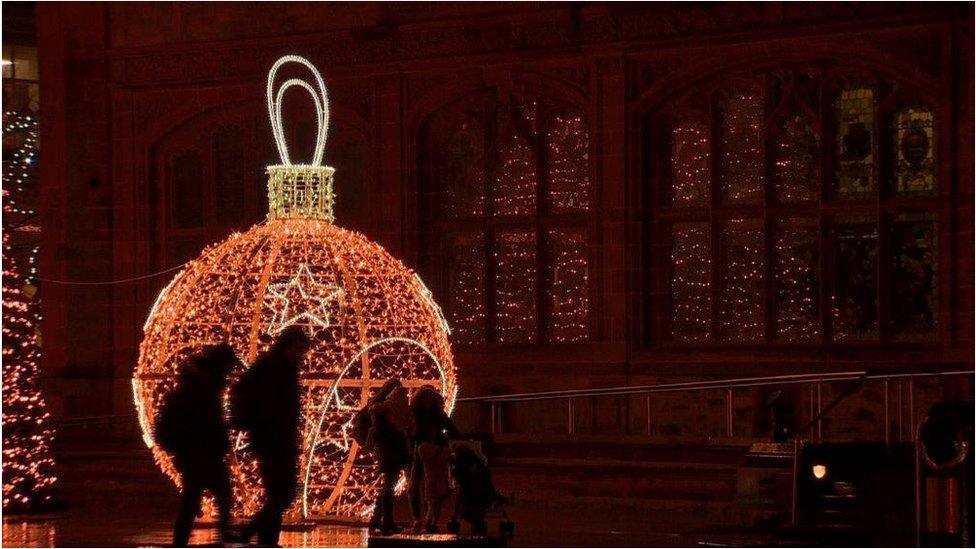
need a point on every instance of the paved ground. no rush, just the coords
(117, 501)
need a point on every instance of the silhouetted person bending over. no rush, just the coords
(389, 426)
(191, 427)
(267, 405)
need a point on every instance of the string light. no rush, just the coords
(796, 158)
(797, 282)
(370, 319)
(691, 166)
(466, 279)
(28, 467)
(691, 280)
(301, 300)
(19, 177)
(516, 276)
(528, 131)
(567, 143)
(741, 304)
(742, 159)
(569, 293)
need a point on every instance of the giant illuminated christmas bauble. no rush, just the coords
(370, 318)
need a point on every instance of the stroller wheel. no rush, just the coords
(454, 526)
(506, 529)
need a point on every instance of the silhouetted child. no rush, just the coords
(190, 426)
(433, 426)
(266, 403)
(435, 459)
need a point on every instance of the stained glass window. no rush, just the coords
(691, 279)
(465, 261)
(854, 115)
(797, 279)
(516, 274)
(741, 145)
(913, 276)
(752, 264)
(691, 165)
(796, 160)
(741, 297)
(854, 286)
(567, 146)
(914, 143)
(569, 300)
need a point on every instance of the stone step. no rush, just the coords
(698, 480)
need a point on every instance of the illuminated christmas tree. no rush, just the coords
(28, 468)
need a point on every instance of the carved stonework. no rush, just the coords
(249, 60)
(419, 89)
(357, 96)
(575, 75)
(645, 73)
(921, 50)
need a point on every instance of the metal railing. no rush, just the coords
(815, 381)
(496, 403)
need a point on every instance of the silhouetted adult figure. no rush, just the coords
(191, 427)
(388, 436)
(266, 403)
(433, 426)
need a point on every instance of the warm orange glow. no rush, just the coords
(360, 304)
(819, 471)
(370, 319)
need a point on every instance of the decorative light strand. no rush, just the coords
(370, 319)
(29, 476)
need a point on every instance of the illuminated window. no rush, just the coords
(781, 221)
(20, 78)
(854, 120)
(914, 143)
(505, 196)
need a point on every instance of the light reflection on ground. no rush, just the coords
(22, 533)
(319, 536)
(44, 533)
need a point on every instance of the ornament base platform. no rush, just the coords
(435, 540)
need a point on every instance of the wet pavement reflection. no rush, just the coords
(116, 497)
(44, 533)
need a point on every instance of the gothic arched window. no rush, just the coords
(796, 206)
(505, 200)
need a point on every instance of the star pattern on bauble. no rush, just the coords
(301, 300)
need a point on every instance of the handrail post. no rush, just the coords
(571, 418)
(493, 413)
(794, 493)
(887, 412)
(911, 409)
(819, 411)
(901, 410)
(647, 417)
(729, 412)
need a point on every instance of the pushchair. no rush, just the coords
(477, 498)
